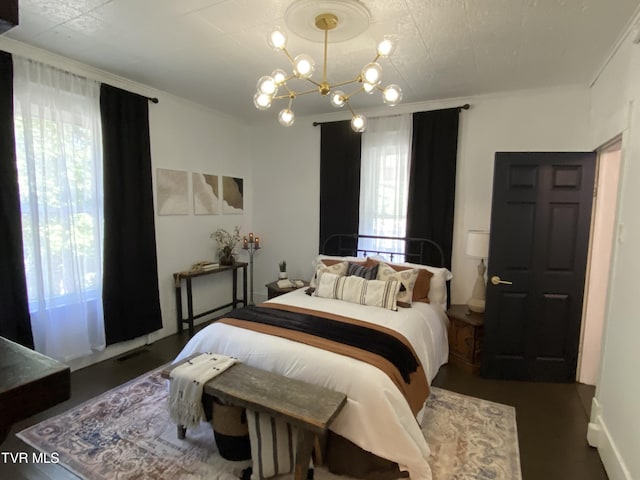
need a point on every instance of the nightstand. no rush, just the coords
(465, 338)
(273, 290)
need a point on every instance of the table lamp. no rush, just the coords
(478, 247)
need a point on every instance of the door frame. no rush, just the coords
(598, 277)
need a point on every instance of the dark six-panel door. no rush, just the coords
(540, 223)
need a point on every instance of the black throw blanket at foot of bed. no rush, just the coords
(358, 336)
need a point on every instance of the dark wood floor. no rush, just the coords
(552, 418)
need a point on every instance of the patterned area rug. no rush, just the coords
(126, 433)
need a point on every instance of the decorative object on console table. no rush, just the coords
(478, 247)
(275, 290)
(465, 338)
(226, 244)
(283, 269)
(251, 244)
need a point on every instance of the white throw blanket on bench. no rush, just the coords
(186, 385)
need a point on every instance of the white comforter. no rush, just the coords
(376, 417)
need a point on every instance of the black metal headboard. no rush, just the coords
(417, 250)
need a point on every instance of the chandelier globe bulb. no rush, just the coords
(386, 47)
(286, 117)
(279, 76)
(267, 85)
(262, 101)
(303, 66)
(337, 98)
(372, 73)
(368, 88)
(359, 123)
(392, 95)
(277, 40)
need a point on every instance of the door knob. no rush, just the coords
(496, 280)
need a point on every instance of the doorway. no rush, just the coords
(600, 252)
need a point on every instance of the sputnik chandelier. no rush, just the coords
(277, 86)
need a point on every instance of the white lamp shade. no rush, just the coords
(477, 243)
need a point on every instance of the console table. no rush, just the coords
(191, 274)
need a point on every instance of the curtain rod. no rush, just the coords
(466, 106)
(150, 99)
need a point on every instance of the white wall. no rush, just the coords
(615, 421)
(539, 120)
(286, 165)
(193, 139)
(286, 169)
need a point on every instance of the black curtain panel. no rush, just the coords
(432, 183)
(339, 180)
(15, 323)
(130, 286)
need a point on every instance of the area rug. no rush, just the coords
(126, 433)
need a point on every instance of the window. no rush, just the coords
(59, 157)
(384, 182)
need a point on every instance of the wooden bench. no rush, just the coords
(309, 407)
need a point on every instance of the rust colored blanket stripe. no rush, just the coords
(415, 391)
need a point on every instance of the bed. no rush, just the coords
(377, 417)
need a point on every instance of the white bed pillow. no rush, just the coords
(339, 268)
(375, 293)
(438, 287)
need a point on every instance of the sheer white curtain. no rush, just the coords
(59, 156)
(384, 181)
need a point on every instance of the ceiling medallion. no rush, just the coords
(314, 20)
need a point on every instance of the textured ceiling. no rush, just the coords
(213, 51)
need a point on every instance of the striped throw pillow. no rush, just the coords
(273, 443)
(376, 293)
(368, 273)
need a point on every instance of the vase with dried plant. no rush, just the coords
(226, 244)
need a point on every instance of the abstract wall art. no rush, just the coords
(206, 196)
(172, 192)
(232, 195)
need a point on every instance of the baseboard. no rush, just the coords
(598, 436)
(594, 430)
